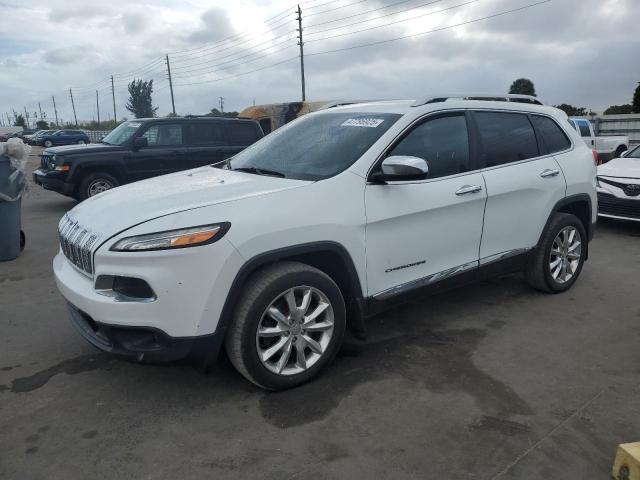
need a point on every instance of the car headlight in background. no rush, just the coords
(181, 238)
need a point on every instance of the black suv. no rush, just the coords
(143, 148)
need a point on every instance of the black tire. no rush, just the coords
(81, 142)
(621, 149)
(260, 291)
(87, 185)
(47, 143)
(539, 272)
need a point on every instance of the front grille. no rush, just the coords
(47, 162)
(77, 243)
(619, 207)
(630, 189)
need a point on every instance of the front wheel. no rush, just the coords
(48, 143)
(559, 259)
(288, 326)
(94, 184)
(81, 142)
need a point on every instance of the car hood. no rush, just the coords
(116, 210)
(624, 167)
(81, 149)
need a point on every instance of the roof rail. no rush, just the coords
(499, 97)
(342, 103)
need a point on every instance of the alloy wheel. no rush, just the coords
(565, 255)
(295, 330)
(98, 186)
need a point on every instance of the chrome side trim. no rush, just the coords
(423, 282)
(503, 255)
(616, 217)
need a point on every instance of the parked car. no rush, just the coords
(330, 219)
(141, 149)
(619, 187)
(33, 140)
(63, 137)
(8, 132)
(607, 147)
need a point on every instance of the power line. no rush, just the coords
(380, 42)
(353, 32)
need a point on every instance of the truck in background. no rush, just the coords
(608, 147)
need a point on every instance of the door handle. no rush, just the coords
(468, 189)
(550, 173)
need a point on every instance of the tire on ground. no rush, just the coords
(82, 192)
(538, 271)
(258, 292)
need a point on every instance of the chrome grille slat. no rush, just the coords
(77, 244)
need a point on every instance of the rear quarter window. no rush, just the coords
(552, 137)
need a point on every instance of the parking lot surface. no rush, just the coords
(492, 381)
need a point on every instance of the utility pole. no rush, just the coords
(113, 95)
(40, 108)
(26, 117)
(301, 43)
(222, 105)
(55, 110)
(98, 108)
(73, 105)
(8, 119)
(173, 104)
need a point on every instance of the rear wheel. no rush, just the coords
(559, 258)
(620, 150)
(288, 326)
(81, 142)
(48, 143)
(94, 184)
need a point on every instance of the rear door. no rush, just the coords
(165, 153)
(523, 182)
(207, 144)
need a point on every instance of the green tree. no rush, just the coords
(217, 113)
(572, 111)
(619, 110)
(42, 125)
(20, 121)
(523, 86)
(139, 102)
(636, 99)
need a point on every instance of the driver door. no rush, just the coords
(419, 233)
(165, 152)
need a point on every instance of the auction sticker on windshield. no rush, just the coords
(362, 122)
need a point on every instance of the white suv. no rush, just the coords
(323, 223)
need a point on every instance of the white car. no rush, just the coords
(324, 222)
(619, 187)
(608, 147)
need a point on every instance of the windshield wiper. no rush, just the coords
(260, 171)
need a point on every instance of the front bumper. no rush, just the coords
(611, 206)
(52, 181)
(144, 344)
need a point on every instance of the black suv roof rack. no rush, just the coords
(479, 96)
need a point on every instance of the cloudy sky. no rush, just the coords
(582, 52)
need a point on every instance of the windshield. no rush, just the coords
(635, 153)
(315, 147)
(122, 133)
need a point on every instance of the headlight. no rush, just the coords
(182, 238)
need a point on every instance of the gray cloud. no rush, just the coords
(215, 26)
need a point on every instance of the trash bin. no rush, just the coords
(12, 185)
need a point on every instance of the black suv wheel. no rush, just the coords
(95, 183)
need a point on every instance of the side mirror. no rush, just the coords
(140, 142)
(401, 168)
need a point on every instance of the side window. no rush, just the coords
(241, 134)
(443, 142)
(505, 138)
(265, 123)
(164, 134)
(206, 133)
(585, 131)
(553, 138)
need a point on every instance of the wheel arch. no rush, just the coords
(330, 257)
(579, 205)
